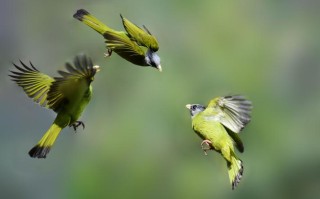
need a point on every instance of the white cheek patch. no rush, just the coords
(156, 58)
(147, 59)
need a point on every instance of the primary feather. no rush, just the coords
(34, 83)
(142, 37)
(232, 111)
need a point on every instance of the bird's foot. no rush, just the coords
(207, 147)
(76, 124)
(108, 53)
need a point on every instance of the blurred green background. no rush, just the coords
(138, 141)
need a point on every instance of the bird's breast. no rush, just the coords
(210, 130)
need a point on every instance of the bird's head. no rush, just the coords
(153, 60)
(195, 109)
(94, 70)
(82, 67)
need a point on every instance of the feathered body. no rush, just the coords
(218, 125)
(67, 95)
(135, 45)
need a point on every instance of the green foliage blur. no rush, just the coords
(138, 141)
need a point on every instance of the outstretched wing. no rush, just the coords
(143, 38)
(123, 46)
(34, 83)
(232, 111)
(72, 84)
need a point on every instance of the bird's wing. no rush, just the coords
(72, 84)
(34, 83)
(122, 45)
(232, 111)
(142, 37)
(236, 139)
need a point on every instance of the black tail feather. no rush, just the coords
(80, 13)
(39, 152)
(237, 179)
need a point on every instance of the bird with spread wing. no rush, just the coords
(67, 95)
(218, 125)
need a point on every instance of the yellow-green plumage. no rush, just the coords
(219, 123)
(67, 95)
(135, 45)
(144, 38)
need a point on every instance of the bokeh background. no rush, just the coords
(138, 141)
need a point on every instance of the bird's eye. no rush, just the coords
(193, 107)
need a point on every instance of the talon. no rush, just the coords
(108, 53)
(205, 149)
(83, 126)
(76, 124)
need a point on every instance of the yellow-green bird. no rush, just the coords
(218, 125)
(136, 45)
(67, 95)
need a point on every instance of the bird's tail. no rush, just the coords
(44, 145)
(235, 171)
(90, 20)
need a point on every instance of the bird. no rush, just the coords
(136, 45)
(218, 125)
(67, 95)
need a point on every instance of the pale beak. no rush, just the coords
(96, 68)
(188, 106)
(159, 68)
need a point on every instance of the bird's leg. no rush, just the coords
(205, 149)
(76, 124)
(108, 53)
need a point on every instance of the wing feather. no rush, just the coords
(34, 83)
(126, 48)
(142, 37)
(72, 83)
(232, 111)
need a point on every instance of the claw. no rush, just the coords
(108, 53)
(205, 149)
(76, 124)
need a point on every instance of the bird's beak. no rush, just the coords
(96, 68)
(159, 68)
(188, 106)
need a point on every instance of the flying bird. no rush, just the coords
(218, 126)
(136, 45)
(67, 95)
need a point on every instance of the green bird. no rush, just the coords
(67, 95)
(218, 125)
(136, 45)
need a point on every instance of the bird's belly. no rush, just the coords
(75, 109)
(137, 60)
(212, 132)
